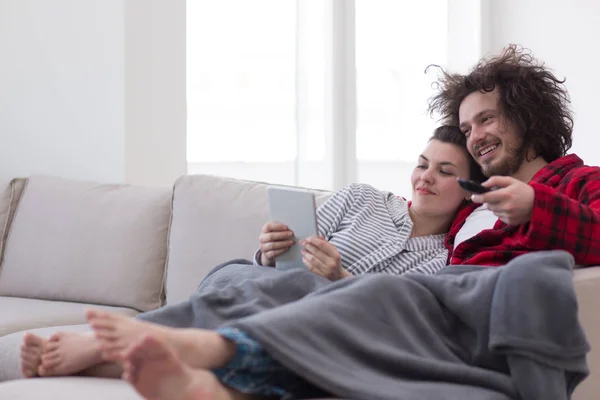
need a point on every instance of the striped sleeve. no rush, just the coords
(331, 213)
(432, 266)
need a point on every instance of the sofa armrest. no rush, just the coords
(587, 287)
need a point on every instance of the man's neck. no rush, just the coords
(529, 169)
(425, 226)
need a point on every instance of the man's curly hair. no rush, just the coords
(532, 98)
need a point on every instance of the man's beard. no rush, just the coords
(515, 156)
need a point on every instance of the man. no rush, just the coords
(515, 115)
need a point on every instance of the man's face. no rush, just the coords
(492, 139)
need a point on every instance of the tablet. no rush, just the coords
(295, 208)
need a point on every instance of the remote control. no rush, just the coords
(472, 187)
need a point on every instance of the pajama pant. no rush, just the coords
(252, 370)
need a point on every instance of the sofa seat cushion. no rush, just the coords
(68, 388)
(88, 242)
(19, 314)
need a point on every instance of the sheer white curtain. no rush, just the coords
(265, 80)
(241, 88)
(395, 42)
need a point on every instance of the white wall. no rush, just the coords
(93, 89)
(468, 32)
(61, 88)
(155, 91)
(563, 34)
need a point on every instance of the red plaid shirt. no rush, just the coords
(566, 215)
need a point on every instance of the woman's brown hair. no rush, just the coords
(452, 135)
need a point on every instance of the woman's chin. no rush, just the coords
(431, 208)
(424, 206)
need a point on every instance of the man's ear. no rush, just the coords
(531, 154)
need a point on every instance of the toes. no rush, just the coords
(92, 314)
(101, 323)
(43, 371)
(104, 332)
(98, 315)
(50, 364)
(103, 328)
(32, 340)
(51, 358)
(57, 337)
(31, 350)
(51, 347)
(28, 337)
(28, 367)
(51, 352)
(29, 358)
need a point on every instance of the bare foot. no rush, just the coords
(198, 348)
(31, 354)
(68, 353)
(154, 369)
(116, 332)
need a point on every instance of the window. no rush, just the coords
(256, 88)
(394, 45)
(241, 88)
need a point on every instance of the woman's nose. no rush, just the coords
(427, 175)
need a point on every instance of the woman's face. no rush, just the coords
(435, 191)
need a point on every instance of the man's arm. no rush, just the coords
(569, 221)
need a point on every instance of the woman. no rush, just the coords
(363, 231)
(359, 220)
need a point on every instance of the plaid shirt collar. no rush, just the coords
(552, 173)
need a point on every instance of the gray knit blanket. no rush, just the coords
(465, 333)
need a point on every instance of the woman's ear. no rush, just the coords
(468, 196)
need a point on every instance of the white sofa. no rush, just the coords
(66, 246)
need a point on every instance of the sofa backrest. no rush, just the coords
(214, 220)
(109, 243)
(10, 193)
(88, 242)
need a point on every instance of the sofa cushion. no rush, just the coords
(68, 388)
(587, 287)
(88, 242)
(10, 193)
(18, 314)
(214, 220)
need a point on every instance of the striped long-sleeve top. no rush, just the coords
(371, 231)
